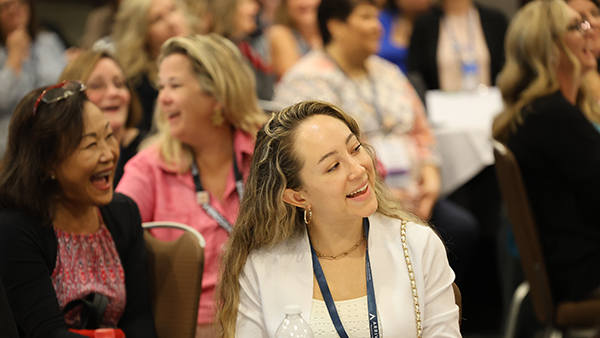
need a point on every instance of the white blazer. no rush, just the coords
(277, 277)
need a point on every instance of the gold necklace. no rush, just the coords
(344, 254)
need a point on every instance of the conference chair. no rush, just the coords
(574, 318)
(175, 270)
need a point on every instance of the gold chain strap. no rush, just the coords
(413, 283)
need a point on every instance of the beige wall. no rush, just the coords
(508, 7)
(69, 17)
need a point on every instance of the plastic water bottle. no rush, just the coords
(293, 325)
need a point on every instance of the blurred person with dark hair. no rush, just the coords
(458, 45)
(398, 18)
(108, 89)
(30, 57)
(67, 243)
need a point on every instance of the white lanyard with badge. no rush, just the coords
(466, 53)
(203, 198)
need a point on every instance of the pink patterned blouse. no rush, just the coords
(85, 264)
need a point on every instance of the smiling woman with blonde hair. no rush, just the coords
(378, 95)
(546, 124)
(141, 27)
(317, 228)
(193, 170)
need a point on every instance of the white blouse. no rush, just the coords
(282, 275)
(354, 314)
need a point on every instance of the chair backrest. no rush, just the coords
(175, 269)
(458, 301)
(525, 231)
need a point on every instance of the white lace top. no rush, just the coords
(354, 314)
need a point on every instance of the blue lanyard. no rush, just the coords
(470, 46)
(203, 199)
(335, 318)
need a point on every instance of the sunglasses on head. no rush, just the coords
(59, 92)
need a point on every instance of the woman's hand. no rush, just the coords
(429, 191)
(17, 44)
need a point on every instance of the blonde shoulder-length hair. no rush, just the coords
(222, 72)
(130, 33)
(533, 44)
(221, 15)
(265, 220)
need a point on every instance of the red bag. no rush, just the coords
(92, 333)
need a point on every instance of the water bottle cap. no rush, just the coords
(293, 309)
(104, 333)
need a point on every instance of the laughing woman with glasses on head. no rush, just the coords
(108, 89)
(546, 124)
(67, 243)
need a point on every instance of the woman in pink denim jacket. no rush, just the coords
(193, 170)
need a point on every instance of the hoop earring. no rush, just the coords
(217, 117)
(307, 215)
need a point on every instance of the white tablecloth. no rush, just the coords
(465, 152)
(462, 124)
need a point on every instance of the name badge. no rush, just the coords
(202, 197)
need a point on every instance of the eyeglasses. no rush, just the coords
(581, 26)
(59, 92)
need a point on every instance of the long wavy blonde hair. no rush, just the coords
(533, 44)
(265, 220)
(130, 33)
(221, 72)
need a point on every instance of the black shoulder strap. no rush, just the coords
(92, 310)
